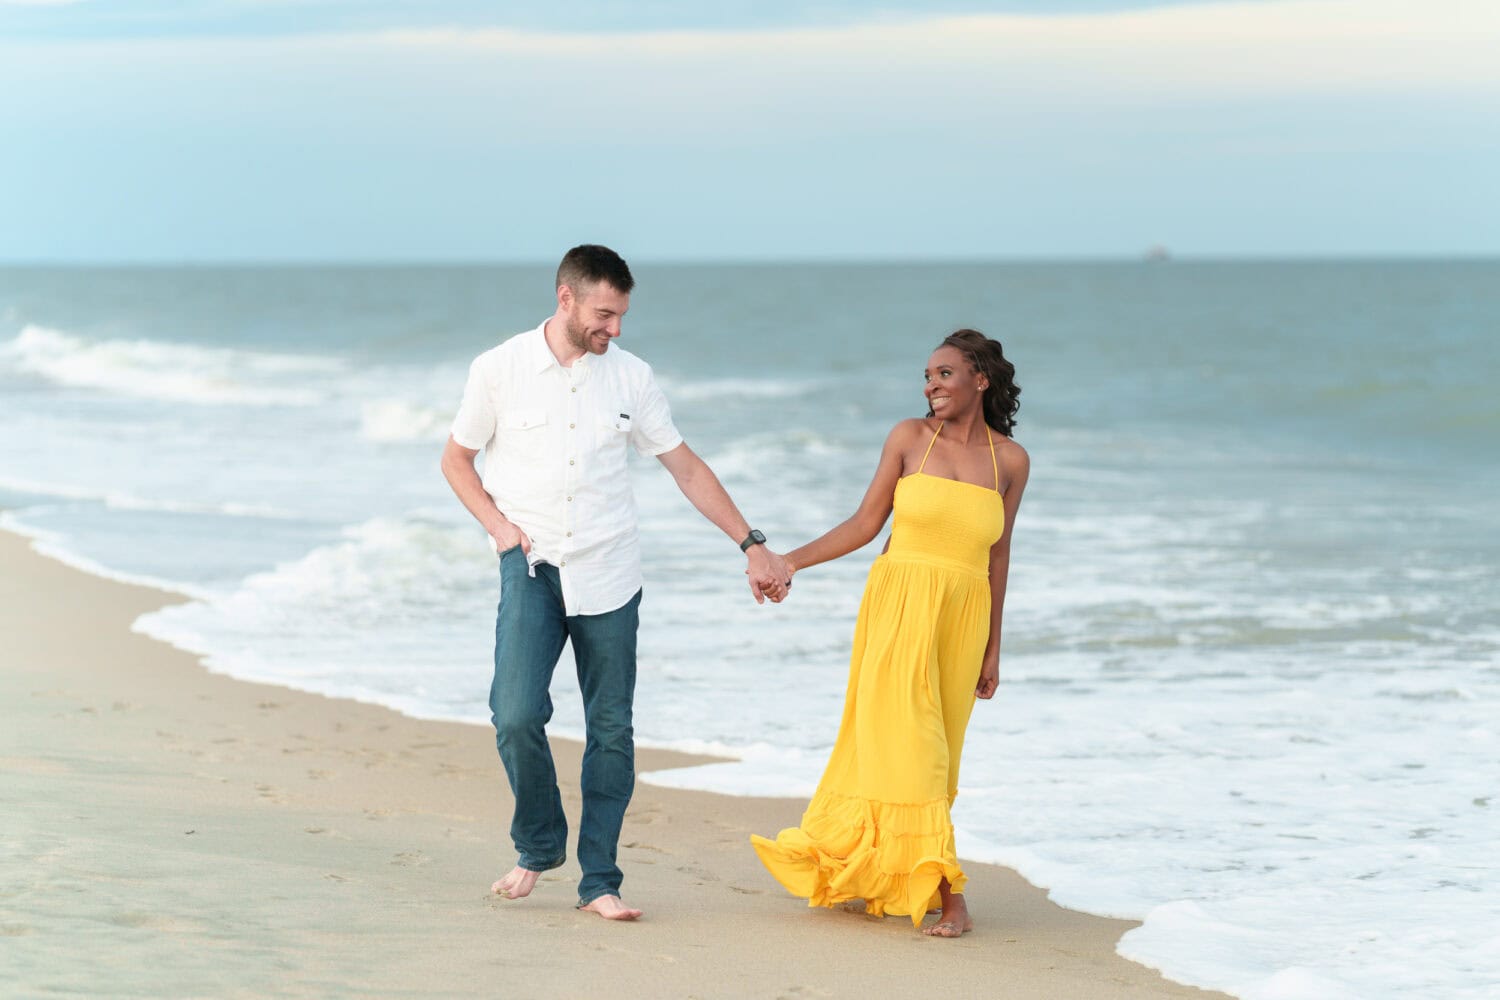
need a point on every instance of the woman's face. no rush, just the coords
(953, 386)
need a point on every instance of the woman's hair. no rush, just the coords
(1000, 402)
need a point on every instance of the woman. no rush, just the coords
(926, 643)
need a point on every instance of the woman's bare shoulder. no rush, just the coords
(910, 429)
(1015, 459)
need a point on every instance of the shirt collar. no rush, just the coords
(542, 357)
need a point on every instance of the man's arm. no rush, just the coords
(458, 469)
(767, 572)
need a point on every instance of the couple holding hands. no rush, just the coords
(554, 409)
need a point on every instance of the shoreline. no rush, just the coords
(176, 832)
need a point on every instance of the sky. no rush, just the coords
(450, 130)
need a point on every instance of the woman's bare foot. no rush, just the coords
(517, 884)
(610, 908)
(955, 920)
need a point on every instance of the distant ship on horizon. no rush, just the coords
(1156, 252)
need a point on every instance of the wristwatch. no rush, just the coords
(754, 538)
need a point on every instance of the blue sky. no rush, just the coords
(263, 130)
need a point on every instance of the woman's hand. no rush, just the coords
(989, 677)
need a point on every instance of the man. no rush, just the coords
(555, 408)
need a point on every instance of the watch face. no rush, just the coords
(757, 537)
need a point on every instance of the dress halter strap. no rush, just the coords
(929, 446)
(994, 463)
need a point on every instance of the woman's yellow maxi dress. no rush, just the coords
(878, 827)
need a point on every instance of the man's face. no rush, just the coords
(594, 315)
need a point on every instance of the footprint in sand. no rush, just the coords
(270, 793)
(411, 859)
(697, 872)
(636, 845)
(748, 892)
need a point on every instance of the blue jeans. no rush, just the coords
(530, 628)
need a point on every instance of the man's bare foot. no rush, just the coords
(517, 884)
(955, 919)
(610, 908)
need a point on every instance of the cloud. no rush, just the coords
(242, 18)
(695, 85)
(1371, 118)
(1220, 49)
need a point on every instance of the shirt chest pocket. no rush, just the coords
(524, 430)
(612, 439)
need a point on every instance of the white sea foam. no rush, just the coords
(118, 500)
(401, 420)
(366, 614)
(57, 546)
(710, 390)
(759, 769)
(175, 372)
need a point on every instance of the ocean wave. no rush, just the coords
(55, 546)
(118, 500)
(696, 390)
(365, 613)
(395, 420)
(151, 369)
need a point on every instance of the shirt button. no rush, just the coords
(570, 461)
(574, 389)
(563, 563)
(571, 426)
(570, 534)
(570, 499)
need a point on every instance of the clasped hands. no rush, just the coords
(770, 574)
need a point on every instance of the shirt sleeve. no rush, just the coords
(475, 424)
(653, 432)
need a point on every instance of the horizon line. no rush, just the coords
(1149, 256)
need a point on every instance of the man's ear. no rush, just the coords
(564, 298)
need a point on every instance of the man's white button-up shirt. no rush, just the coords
(554, 457)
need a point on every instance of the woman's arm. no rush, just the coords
(873, 511)
(1017, 469)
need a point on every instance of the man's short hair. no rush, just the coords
(586, 265)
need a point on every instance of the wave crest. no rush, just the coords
(152, 369)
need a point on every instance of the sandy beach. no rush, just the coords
(170, 832)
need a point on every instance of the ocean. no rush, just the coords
(1251, 670)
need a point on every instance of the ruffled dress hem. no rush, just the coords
(890, 855)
